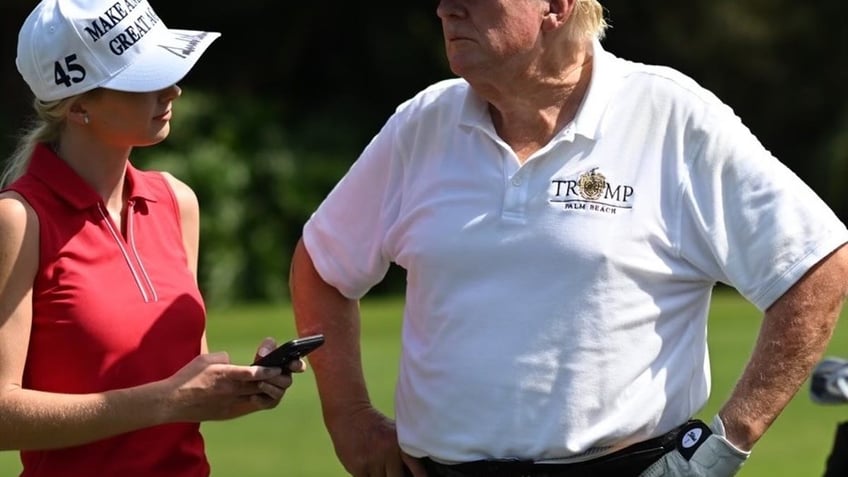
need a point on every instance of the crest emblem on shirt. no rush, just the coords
(592, 184)
(591, 192)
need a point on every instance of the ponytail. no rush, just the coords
(46, 128)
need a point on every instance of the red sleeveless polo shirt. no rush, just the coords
(111, 309)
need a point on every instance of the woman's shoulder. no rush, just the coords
(183, 194)
(19, 227)
(15, 210)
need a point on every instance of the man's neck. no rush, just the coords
(527, 112)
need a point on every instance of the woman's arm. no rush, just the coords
(30, 419)
(207, 388)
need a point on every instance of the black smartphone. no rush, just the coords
(287, 352)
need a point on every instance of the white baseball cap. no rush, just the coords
(68, 47)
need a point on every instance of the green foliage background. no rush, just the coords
(254, 188)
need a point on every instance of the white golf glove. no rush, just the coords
(700, 452)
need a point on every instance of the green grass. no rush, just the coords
(291, 441)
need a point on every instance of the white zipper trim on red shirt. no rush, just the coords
(119, 241)
(131, 238)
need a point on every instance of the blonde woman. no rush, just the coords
(104, 367)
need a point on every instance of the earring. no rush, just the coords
(85, 118)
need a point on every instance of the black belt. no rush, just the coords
(627, 462)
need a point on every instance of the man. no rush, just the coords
(563, 215)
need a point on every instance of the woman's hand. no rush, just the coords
(209, 387)
(275, 387)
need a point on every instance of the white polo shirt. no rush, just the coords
(557, 310)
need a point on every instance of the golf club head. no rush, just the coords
(829, 382)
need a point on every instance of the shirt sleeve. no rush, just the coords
(345, 236)
(747, 220)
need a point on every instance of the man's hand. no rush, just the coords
(715, 457)
(367, 445)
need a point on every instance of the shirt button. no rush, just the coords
(516, 181)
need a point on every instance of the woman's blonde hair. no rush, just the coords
(587, 21)
(45, 128)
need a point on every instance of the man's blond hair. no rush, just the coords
(587, 21)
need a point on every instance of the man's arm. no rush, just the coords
(793, 337)
(365, 440)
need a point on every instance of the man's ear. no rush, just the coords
(559, 11)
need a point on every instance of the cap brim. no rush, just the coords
(165, 63)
